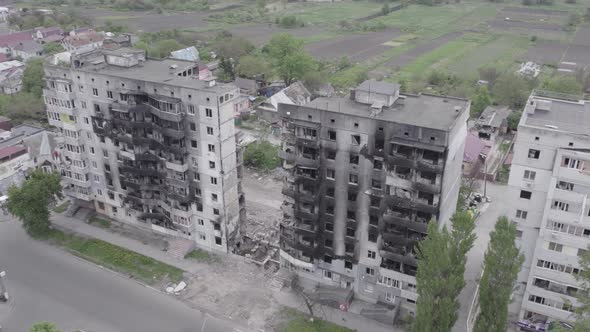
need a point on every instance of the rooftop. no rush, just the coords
(380, 87)
(162, 71)
(424, 110)
(557, 113)
(493, 116)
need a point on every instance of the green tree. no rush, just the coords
(514, 119)
(52, 48)
(33, 77)
(226, 70)
(481, 100)
(290, 59)
(24, 107)
(44, 327)
(385, 9)
(30, 202)
(253, 66)
(262, 155)
(162, 48)
(562, 84)
(502, 262)
(234, 48)
(441, 266)
(512, 90)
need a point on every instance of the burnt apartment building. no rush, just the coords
(366, 174)
(148, 142)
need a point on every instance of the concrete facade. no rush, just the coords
(366, 175)
(147, 143)
(549, 185)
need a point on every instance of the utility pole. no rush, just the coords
(485, 178)
(3, 292)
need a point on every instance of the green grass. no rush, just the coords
(327, 13)
(349, 77)
(62, 207)
(100, 222)
(262, 155)
(298, 322)
(116, 258)
(202, 256)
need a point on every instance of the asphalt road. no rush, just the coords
(48, 284)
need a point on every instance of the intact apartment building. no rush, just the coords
(148, 143)
(549, 186)
(366, 174)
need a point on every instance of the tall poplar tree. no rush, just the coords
(502, 262)
(440, 275)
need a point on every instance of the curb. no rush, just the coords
(139, 282)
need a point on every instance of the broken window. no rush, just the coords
(329, 226)
(353, 178)
(330, 209)
(330, 192)
(328, 259)
(378, 164)
(330, 173)
(348, 265)
(350, 231)
(330, 154)
(356, 139)
(331, 135)
(351, 215)
(373, 220)
(354, 159)
(328, 243)
(352, 196)
(534, 154)
(376, 184)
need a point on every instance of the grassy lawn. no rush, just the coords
(434, 21)
(201, 256)
(100, 222)
(298, 322)
(327, 13)
(62, 207)
(501, 52)
(116, 258)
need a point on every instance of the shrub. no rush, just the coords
(262, 155)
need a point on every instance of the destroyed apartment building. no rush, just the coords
(148, 142)
(366, 176)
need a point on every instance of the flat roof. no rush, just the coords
(424, 110)
(557, 114)
(161, 71)
(158, 71)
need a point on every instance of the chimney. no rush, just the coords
(531, 106)
(352, 94)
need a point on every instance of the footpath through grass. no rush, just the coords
(116, 258)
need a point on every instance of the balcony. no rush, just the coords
(287, 155)
(134, 170)
(174, 133)
(181, 168)
(59, 94)
(426, 185)
(429, 166)
(307, 162)
(555, 287)
(127, 154)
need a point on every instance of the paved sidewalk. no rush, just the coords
(86, 229)
(353, 321)
(285, 297)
